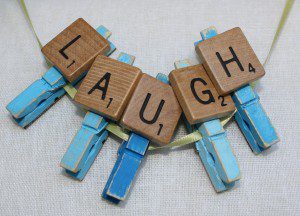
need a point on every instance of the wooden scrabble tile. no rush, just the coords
(197, 96)
(153, 110)
(108, 86)
(75, 48)
(229, 60)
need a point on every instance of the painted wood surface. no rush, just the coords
(253, 120)
(250, 116)
(89, 140)
(74, 49)
(130, 156)
(43, 93)
(107, 87)
(217, 144)
(153, 110)
(214, 150)
(39, 96)
(229, 60)
(85, 146)
(197, 95)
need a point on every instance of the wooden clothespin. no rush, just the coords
(231, 64)
(130, 156)
(153, 112)
(71, 52)
(103, 94)
(203, 107)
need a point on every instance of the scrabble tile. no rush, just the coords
(153, 110)
(108, 86)
(229, 60)
(75, 48)
(197, 96)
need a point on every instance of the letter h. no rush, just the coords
(224, 63)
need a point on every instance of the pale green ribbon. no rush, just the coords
(287, 8)
(192, 137)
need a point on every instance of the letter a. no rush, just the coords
(105, 78)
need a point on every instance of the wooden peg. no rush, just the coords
(43, 93)
(214, 148)
(253, 120)
(130, 156)
(75, 48)
(197, 96)
(107, 87)
(85, 146)
(229, 60)
(153, 110)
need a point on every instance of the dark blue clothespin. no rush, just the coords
(250, 116)
(130, 156)
(214, 149)
(43, 93)
(89, 140)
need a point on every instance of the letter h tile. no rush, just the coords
(231, 64)
(203, 107)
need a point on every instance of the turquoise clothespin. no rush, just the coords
(130, 156)
(89, 140)
(250, 116)
(43, 93)
(214, 150)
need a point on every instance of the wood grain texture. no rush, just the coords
(121, 80)
(197, 95)
(153, 110)
(75, 48)
(229, 60)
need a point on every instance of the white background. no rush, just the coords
(169, 182)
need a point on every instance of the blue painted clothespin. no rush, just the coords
(43, 93)
(130, 156)
(89, 140)
(250, 116)
(214, 150)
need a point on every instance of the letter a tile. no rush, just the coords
(153, 111)
(107, 87)
(229, 60)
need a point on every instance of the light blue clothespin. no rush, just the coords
(250, 116)
(130, 156)
(89, 140)
(214, 150)
(43, 93)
